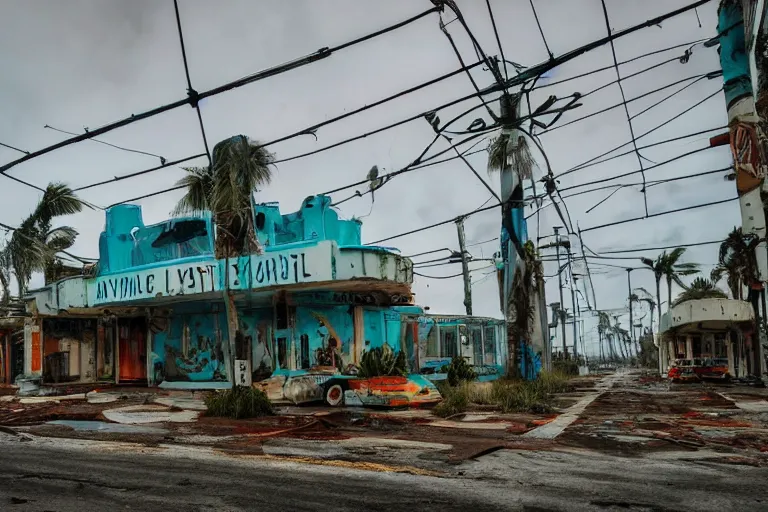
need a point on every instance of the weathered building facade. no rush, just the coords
(154, 311)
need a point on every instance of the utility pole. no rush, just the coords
(560, 288)
(573, 304)
(631, 323)
(465, 266)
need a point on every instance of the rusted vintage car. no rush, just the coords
(325, 385)
(685, 370)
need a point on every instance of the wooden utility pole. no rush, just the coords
(560, 289)
(573, 303)
(465, 266)
(631, 324)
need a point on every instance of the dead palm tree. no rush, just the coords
(668, 265)
(700, 288)
(225, 188)
(35, 245)
(737, 261)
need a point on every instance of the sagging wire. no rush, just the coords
(162, 159)
(193, 95)
(261, 75)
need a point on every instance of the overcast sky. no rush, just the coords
(84, 63)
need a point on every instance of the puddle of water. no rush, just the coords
(101, 426)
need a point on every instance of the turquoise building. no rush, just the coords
(154, 309)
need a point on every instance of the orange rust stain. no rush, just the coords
(37, 356)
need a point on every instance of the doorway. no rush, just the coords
(132, 350)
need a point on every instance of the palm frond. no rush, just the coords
(647, 261)
(58, 199)
(60, 239)
(199, 184)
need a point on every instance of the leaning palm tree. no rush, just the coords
(700, 288)
(737, 262)
(35, 245)
(668, 265)
(239, 167)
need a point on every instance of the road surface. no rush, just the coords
(80, 476)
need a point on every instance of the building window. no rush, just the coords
(448, 342)
(476, 338)
(490, 345)
(432, 343)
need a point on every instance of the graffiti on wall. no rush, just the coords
(293, 266)
(146, 284)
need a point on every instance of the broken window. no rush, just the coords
(282, 353)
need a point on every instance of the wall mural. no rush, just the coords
(191, 349)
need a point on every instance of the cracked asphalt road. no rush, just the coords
(80, 476)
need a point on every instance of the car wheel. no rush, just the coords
(334, 395)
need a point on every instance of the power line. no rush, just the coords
(452, 276)
(14, 148)
(139, 173)
(606, 68)
(674, 139)
(657, 127)
(498, 40)
(267, 73)
(162, 159)
(668, 212)
(626, 108)
(191, 92)
(543, 38)
(630, 173)
(437, 224)
(624, 102)
(543, 67)
(661, 248)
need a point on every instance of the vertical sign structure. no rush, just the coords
(748, 141)
(756, 32)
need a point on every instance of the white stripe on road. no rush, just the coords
(555, 427)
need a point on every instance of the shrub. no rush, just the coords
(554, 382)
(459, 370)
(455, 400)
(567, 367)
(238, 403)
(382, 362)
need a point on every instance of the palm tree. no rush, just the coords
(737, 261)
(647, 298)
(603, 326)
(225, 188)
(668, 265)
(700, 289)
(35, 245)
